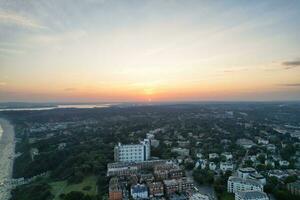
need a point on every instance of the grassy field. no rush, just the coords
(62, 187)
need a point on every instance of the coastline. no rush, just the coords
(7, 152)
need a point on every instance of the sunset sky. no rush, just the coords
(148, 50)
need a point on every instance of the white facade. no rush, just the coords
(227, 155)
(213, 155)
(212, 166)
(226, 166)
(251, 195)
(258, 177)
(245, 172)
(132, 152)
(139, 191)
(237, 184)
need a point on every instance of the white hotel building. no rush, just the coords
(237, 184)
(132, 152)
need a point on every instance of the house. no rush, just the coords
(61, 146)
(213, 155)
(277, 173)
(246, 143)
(156, 189)
(226, 166)
(284, 163)
(115, 189)
(270, 162)
(262, 141)
(271, 147)
(212, 166)
(178, 185)
(181, 151)
(34, 152)
(202, 163)
(139, 191)
(251, 195)
(199, 155)
(227, 155)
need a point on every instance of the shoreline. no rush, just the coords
(7, 152)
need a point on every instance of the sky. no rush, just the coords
(148, 50)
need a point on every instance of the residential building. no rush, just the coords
(284, 163)
(251, 195)
(236, 184)
(115, 189)
(294, 188)
(246, 143)
(132, 152)
(227, 155)
(258, 177)
(178, 185)
(226, 166)
(212, 166)
(181, 151)
(213, 155)
(245, 172)
(156, 189)
(139, 191)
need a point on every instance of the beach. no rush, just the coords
(7, 146)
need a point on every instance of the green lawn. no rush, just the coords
(61, 187)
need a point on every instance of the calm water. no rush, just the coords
(61, 106)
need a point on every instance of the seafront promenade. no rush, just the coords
(7, 146)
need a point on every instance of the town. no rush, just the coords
(177, 152)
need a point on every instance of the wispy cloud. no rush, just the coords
(290, 84)
(19, 20)
(235, 70)
(291, 64)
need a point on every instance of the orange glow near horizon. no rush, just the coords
(149, 51)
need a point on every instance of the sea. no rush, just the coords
(60, 106)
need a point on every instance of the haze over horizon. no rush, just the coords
(92, 51)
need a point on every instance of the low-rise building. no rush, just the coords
(245, 172)
(212, 166)
(258, 177)
(181, 151)
(213, 155)
(294, 187)
(115, 189)
(156, 189)
(284, 163)
(226, 166)
(246, 143)
(178, 185)
(237, 184)
(251, 195)
(227, 155)
(277, 174)
(139, 191)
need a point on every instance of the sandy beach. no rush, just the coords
(7, 146)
